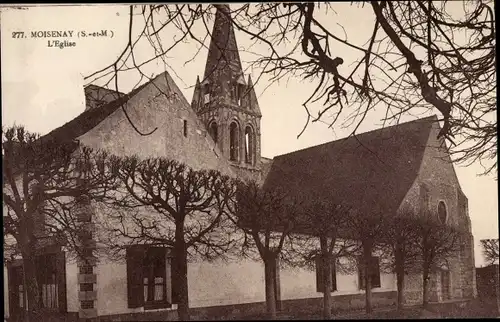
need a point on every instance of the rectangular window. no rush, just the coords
(154, 276)
(321, 279)
(206, 98)
(147, 277)
(373, 270)
(185, 128)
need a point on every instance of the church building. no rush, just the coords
(220, 129)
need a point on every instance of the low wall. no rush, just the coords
(50, 317)
(295, 307)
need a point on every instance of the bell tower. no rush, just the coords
(226, 102)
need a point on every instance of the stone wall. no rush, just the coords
(439, 179)
(179, 134)
(295, 307)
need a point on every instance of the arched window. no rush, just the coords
(442, 212)
(233, 141)
(212, 129)
(249, 142)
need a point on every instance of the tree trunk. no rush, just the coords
(180, 253)
(425, 286)
(31, 287)
(400, 284)
(368, 280)
(269, 268)
(400, 275)
(327, 278)
(368, 284)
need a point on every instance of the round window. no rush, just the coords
(442, 214)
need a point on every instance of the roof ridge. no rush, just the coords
(100, 114)
(101, 88)
(361, 134)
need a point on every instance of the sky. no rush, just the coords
(42, 87)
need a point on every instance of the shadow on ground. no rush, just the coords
(472, 309)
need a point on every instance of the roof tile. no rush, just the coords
(373, 170)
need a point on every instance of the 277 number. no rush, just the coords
(18, 34)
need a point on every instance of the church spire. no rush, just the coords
(223, 61)
(226, 102)
(197, 93)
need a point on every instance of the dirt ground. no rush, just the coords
(473, 309)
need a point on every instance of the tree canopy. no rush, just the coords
(419, 57)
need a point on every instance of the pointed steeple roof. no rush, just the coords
(196, 93)
(223, 59)
(253, 102)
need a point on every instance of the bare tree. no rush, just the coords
(164, 202)
(491, 256)
(369, 230)
(268, 219)
(42, 181)
(10, 247)
(326, 221)
(490, 250)
(419, 56)
(437, 243)
(400, 240)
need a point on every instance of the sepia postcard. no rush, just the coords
(279, 160)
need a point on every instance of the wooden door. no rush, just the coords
(17, 294)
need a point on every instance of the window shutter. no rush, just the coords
(375, 272)
(334, 274)
(135, 293)
(320, 281)
(60, 258)
(14, 282)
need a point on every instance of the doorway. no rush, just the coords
(445, 284)
(17, 294)
(51, 280)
